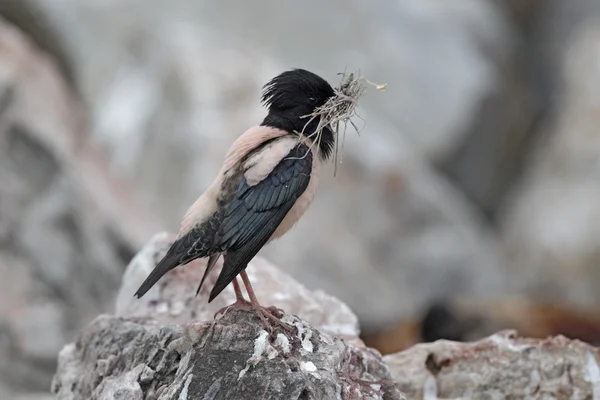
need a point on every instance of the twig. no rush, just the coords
(340, 109)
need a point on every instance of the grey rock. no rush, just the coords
(555, 26)
(502, 366)
(548, 223)
(67, 229)
(34, 23)
(496, 140)
(168, 345)
(230, 358)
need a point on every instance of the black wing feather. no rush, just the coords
(243, 224)
(212, 260)
(256, 211)
(236, 260)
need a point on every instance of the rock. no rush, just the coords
(231, 358)
(499, 367)
(173, 299)
(488, 153)
(547, 225)
(556, 25)
(33, 23)
(170, 88)
(140, 83)
(67, 229)
(168, 345)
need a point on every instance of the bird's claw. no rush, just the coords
(268, 315)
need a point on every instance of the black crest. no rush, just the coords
(293, 95)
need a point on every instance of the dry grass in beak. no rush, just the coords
(340, 109)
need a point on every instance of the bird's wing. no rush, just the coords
(253, 168)
(252, 154)
(257, 209)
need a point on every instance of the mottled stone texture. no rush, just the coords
(230, 358)
(67, 230)
(502, 366)
(168, 345)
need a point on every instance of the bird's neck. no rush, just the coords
(294, 125)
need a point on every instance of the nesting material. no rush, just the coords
(339, 110)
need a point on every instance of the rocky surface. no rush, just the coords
(34, 23)
(231, 358)
(168, 345)
(67, 229)
(502, 366)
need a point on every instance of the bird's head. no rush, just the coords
(291, 97)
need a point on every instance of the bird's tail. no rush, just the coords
(168, 262)
(212, 260)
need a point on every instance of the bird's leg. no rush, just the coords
(249, 289)
(266, 314)
(240, 301)
(239, 297)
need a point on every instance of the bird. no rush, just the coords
(267, 182)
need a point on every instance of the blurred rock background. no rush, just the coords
(476, 175)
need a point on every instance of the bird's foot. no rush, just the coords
(270, 316)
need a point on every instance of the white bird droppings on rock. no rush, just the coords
(593, 373)
(304, 334)
(282, 343)
(308, 366)
(261, 347)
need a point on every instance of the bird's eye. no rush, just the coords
(312, 99)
